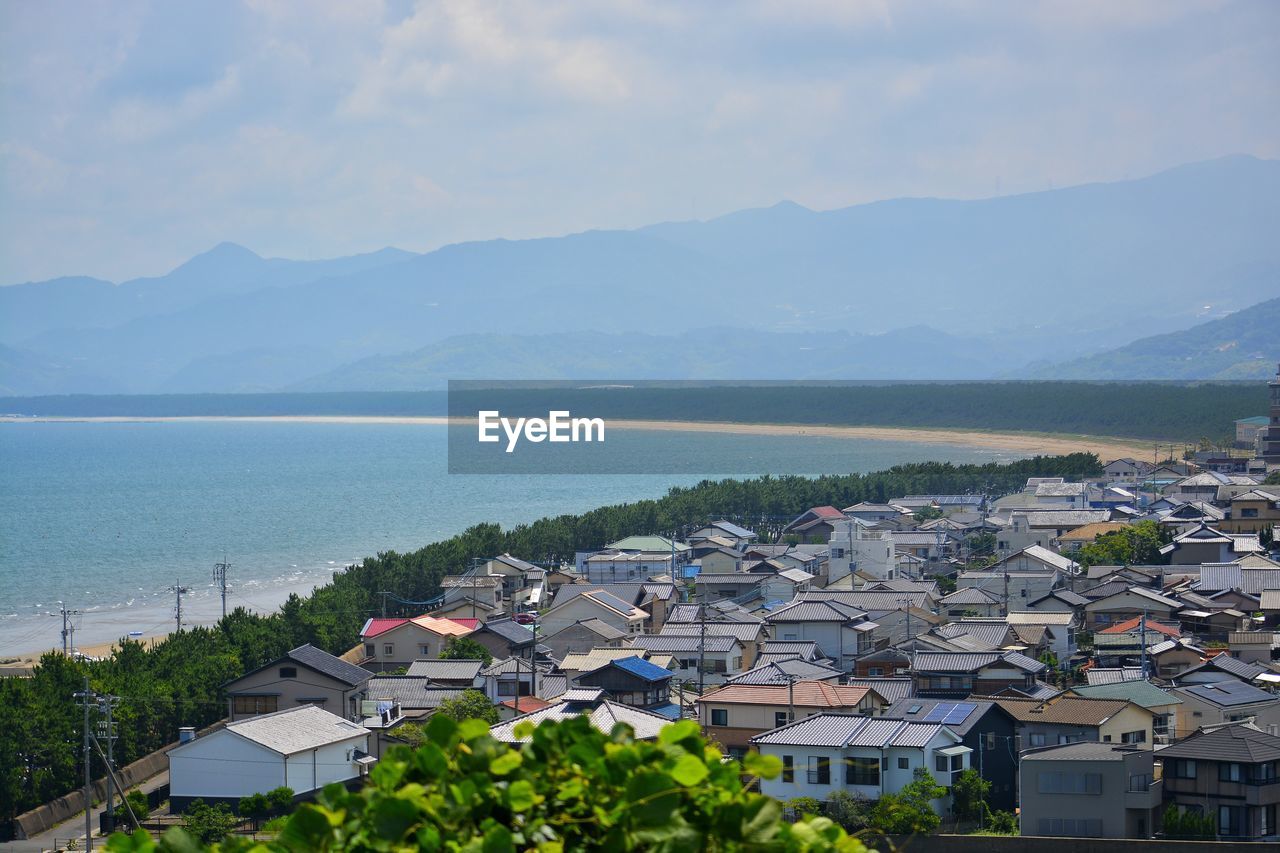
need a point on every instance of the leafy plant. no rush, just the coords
(850, 811)
(254, 805)
(465, 648)
(1189, 824)
(138, 803)
(568, 788)
(805, 806)
(469, 705)
(209, 823)
(280, 800)
(969, 795)
(910, 811)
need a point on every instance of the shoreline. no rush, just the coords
(1048, 443)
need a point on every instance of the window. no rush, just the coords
(1230, 772)
(819, 770)
(255, 704)
(788, 768)
(862, 771)
(370, 650)
(904, 763)
(719, 716)
(1248, 513)
(388, 649)
(875, 670)
(1229, 820)
(288, 672)
(780, 719)
(1074, 827)
(1134, 737)
(991, 741)
(1184, 768)
(425, 650)
(941, 764)
(1060, 782)
(1037, 740)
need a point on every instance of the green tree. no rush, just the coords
(1273, 479)
(279, 800)
(254, 805)
(465, 648)
(138, 804)
(850, 811)
(469, 705)
(568, 787)
(1002, 823)
(910, 811)
(927, 513)
(209, 823)
(969, 795)
(1188, 824)
(1135, 544)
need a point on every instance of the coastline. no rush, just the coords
(1019, 442)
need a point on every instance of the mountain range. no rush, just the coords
(1042, 284)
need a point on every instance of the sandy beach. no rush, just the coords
(1019, 442)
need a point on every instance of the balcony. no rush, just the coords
(1144, 793)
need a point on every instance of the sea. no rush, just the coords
(108, 519)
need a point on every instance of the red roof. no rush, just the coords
(468, 623)
(1130, 625)
(526, 704)
(376, 626)
(827, 512)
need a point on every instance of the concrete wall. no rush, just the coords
(44, 818)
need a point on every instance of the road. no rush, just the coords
(57, 838)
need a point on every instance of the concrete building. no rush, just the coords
(1090, 790)
(1269, 442)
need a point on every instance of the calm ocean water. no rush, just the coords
(108, 516)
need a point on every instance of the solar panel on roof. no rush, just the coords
(938, 712)
(959, 713)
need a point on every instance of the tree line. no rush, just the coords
(177, 682)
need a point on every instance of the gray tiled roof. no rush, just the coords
(867, 601)
(602, 713)
(972, 661)
(412, 692)
(1112, 675)
(675, 643)
(745, 631)
(815, 611)
(1241, 743)
(892, 689)
(334, 667)
(843, 730)
(1227, 694)
(445, 670)
(510, 630)
(1082, 751)
(782, 671)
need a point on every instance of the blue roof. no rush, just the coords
(642, 668)
(670, 710)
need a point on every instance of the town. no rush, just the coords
(1095, 659)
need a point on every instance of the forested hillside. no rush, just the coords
(177, 683)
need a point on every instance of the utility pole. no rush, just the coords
(178, 591)
(86, 698)
(384, 593)
(220, 578)
(68, 628)
(107, 732)
(1142, 623)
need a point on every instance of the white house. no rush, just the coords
(854, 547)
(871, 756)
(303, 748)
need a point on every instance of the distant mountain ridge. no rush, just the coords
(1243, 345)
(1048, 276)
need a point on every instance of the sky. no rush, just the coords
(135, 134)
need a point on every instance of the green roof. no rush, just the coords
(646, 543)
(1259, 420)
(1142, 693)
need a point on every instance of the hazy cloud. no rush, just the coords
(138, 133)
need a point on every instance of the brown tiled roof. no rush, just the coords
(1130, 625)
(808, 694)
(1066, 710)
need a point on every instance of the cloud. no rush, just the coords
(139, 133)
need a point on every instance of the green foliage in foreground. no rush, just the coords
(569, 788)
(176, 683)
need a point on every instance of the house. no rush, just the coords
(1035, 558)
(949, 504)
(1061, 627)
(583, 635)
(1226, 667)
(1067, 719)
(734, 714)
(303, 676)
(743, 586)
(932, 546)
(843, 632)
(1169, 659)
(1204, 544)
(1043, 527)
(1059, 601)
(504, 637)
(881, 663)
(720, 656)
(1253, 512)
(1248, 430)
(578, 663)
(634, 681)
(785, 671)
(1229, 773)
(739, 536)
(593, 603)
(393, 643)
(628, 566)
(1090, 790)
(416, 695)
(752, 635)
(1020, 587)
(970, 601)
(1128, 603)
(866, 756)
(473, 595)
(1074, 495)
(1162, 704)
(1252, 646)
(955, 675)
(1126, 470)
(813, 525)
(855, 547)
(785, 585)
(985, 728)
(1073, 540)
(717, 560)
(303, 748)
(592, 703)
(872, 512)
(1226, 702)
